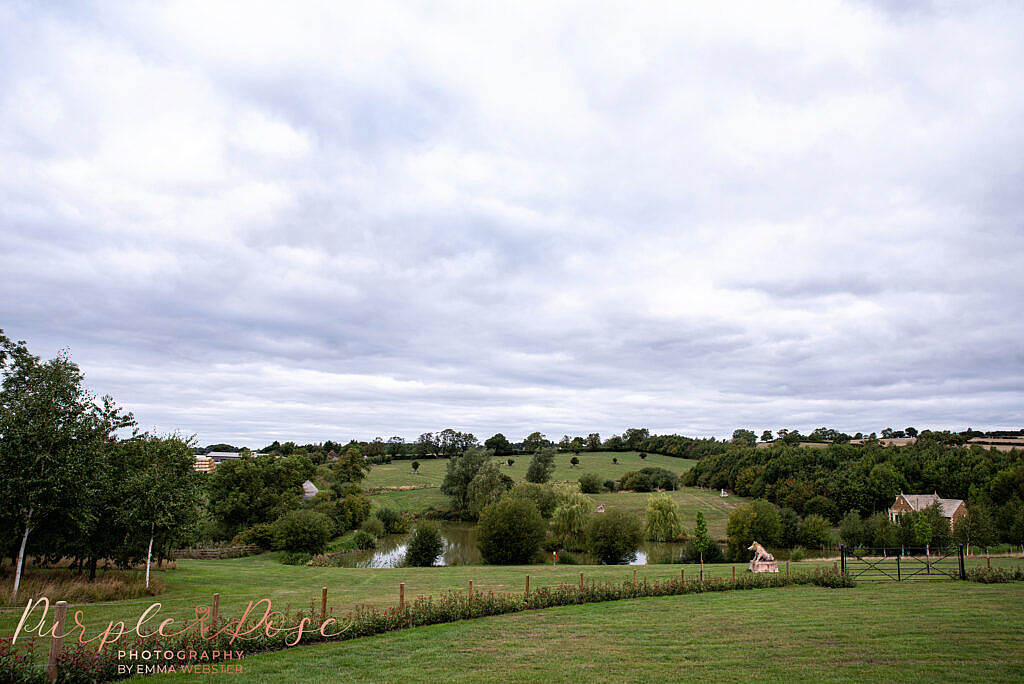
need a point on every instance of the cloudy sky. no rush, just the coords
(312, 221)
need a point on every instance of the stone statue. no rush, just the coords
(762, 561)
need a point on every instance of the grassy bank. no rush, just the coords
(879, 632)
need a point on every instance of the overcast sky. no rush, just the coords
(345, 220)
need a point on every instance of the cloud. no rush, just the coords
(253, 222)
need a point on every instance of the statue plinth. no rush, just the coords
(764, 566)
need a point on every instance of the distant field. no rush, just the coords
(431, 471)
(949, 631)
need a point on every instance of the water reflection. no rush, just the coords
(460, 548)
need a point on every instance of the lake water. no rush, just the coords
(460, 549)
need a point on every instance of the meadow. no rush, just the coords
(945, 631)
(427, 482)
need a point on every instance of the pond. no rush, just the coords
(460, 549)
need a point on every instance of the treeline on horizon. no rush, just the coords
(450, 442)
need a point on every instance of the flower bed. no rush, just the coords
(80, 663)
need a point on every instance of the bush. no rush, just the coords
(995, 575)
(260, 534)
(713, 554)
(756, 521)
(425, 545)
(609, 485)
(393, 521)
(797, 554)
(649, 479)
(296, 558)
(374, 526)
(510, 532)
(590, 483)
(614, 537)
(348, 510)
(302, 532)
(364, 540)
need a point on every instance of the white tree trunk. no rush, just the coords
(21, 556)
(149, 558)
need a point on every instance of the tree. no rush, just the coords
(574, 461)
(535, 441)
(910, 431)
(541, 467)
(426, 445)
(256, 489)
(815, 531)
(161, 494)
(744, 437)
(486, 487)
(415, 466)
(350, 466)
(614, 537)
(614, 460)
(635, 437)
(570, 520)
(766, 436)
(544, 496)
(53, 433)
(590, 483)
(851, 530)
(396, 446)
(702, 541)
(460, 472)
(510, 532)
(663, 523)
(510, 462)
(593, 442)
(756, 521)
(499, 444)
(790, 521)
(425, 545)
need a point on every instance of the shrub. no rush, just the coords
(296, 558)
(590, 483)
(663, 523)
(756, 521)
(712, 553)
(364, 540)
(995, 575)
(574, 461)
(347, 510)
(393, 521)
(415, 466)
(615, 460)
(797, 554)
(510, 532)
(614, 537)
(374, 526)
(541, 467)
(425, 545)
(609, 485)
(302, 532)
(260, 534)
(649, 479)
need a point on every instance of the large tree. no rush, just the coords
(53, 433)
(257, 489)
(499, 444)
(460, 473)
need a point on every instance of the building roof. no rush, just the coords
(309, 489)
(920, 501)
(219, 456)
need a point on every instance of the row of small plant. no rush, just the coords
(996, 575)
(78, 663)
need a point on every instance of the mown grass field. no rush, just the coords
(949, 631)
(240, 580)
(431, 471)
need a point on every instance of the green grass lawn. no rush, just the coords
(949, 631)
(431, 471)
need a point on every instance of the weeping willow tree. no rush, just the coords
(663, 521)
(570, 519)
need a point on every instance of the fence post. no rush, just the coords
(581, 578)
(527, 585)
(842, 556)
(470, 588)
(787, 568)
(682, 576)
(56, 640)
(323, 603)
(401, 594)
(899, 576)
(988, 562)
(960, 555)
(634, 575)
(734, 573)
(214, 610)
